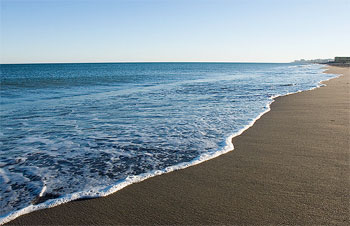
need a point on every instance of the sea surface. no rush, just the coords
(71, 131)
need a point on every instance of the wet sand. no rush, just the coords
(291, 167)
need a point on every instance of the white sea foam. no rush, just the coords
(43, 190)
(138, 178)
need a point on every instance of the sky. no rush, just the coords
(45, 31)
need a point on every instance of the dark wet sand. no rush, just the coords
(291, 167)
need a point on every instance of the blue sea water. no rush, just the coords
(79, 130)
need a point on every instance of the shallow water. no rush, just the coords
(68, 128)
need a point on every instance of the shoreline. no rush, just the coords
(233, 137)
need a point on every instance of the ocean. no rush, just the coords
(71, 131)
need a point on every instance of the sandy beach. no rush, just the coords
(291, 167)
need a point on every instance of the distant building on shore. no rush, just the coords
(337, 61)
(342, 60)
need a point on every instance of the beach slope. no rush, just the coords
(291, 167)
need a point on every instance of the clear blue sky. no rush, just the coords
(173, 30)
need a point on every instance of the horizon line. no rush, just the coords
(130, 62)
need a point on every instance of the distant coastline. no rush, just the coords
(337, 61)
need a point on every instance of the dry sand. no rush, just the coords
(291, 167)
